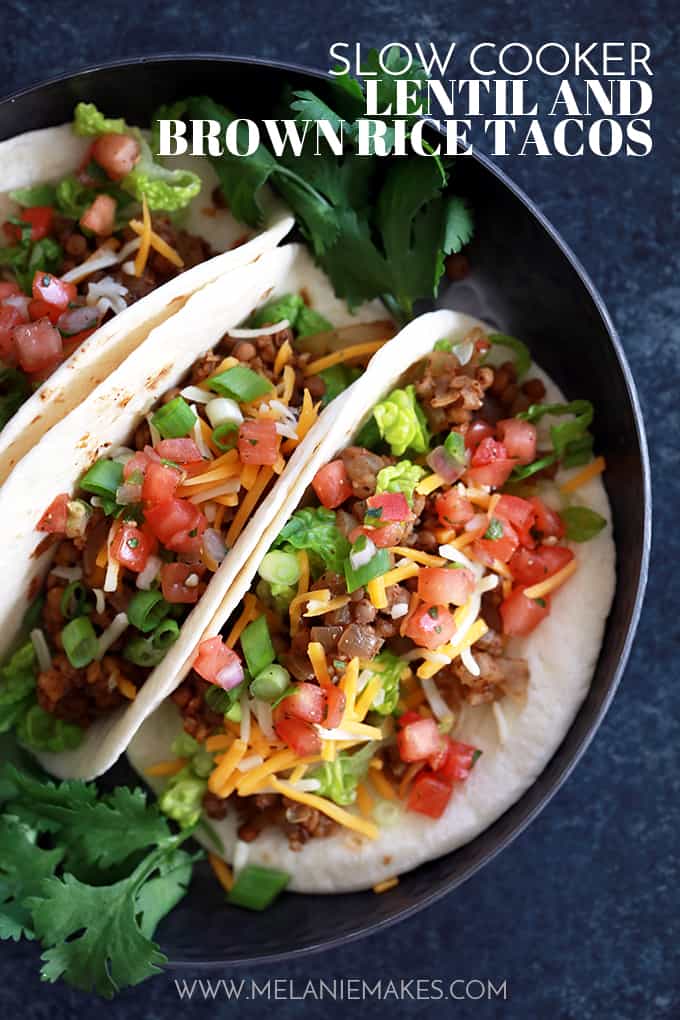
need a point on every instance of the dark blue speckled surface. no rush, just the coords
(580, 914)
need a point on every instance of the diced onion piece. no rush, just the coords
(246, 334)
(196, 394)
(147, 576)
(221, 410)
(155, 434)
(118, 625)
(67, 573)
(487, 583)
(214, 546)
(42, 651)
(263, 713)
(127, 494)
(398, 610)
(107, 294)
(463, 351)
(363, 556)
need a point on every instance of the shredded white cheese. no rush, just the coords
(147, 576)
(245, 718)
(501, 723)
(99, 600)
(41, 648)
(118, 625)
(67, 573)
(241, 854)
(251, 762)
(440, 710)
(196, 394)
(112, 567)
(469, 661)
(246, 334)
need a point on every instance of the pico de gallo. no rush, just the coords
(384, 612)
(80, 250)
(136, 545)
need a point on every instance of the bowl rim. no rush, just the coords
(447, 886)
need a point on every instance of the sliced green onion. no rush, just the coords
(142, 652)
(240, 383)
(256, 888)
(80, 642)
(279, 567)
(225, 436)
(165, 635)
(103, 478)
(146, 610)
(256, 645)
(270, 683)
(378, 564)
(233, 714)
(221, 410)
(202, 763)
(174, 419)
(74, 600)
(218, 700)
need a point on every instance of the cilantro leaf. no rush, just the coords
(582, 523)
(159, 895)
(23, 866)
(94, 932)
(459, 224)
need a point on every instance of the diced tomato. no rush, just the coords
(38, 309)
(418, 741)
(258, 442)
(160, 483)
(9, 318)
(452, 509)
(436, 760)
(430, 626)
(54, 291)
(460, 758)
(335, 706)
(548, 522)
(408, 717)
(8, 288)
(40, 219)
(521, 615)
(218, 664)
(501, 548)
(130, 547)
(444, 585)
(390, 534)
(100, 216)
(332, 485)
(138, 463)
(307, 703)
(393, 506)
(429, 794)
(521, 515)
(173, 583)
(527, 566)
(300, 736)
(38, 345)
(495, 474)
(116, 154)
(555, 557)
(488, 452)
(177, 524)
(54, 519)
(518, 438)
(478, 431)
(182, 451)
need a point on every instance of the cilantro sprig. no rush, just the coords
(380, 227)
(89, 875)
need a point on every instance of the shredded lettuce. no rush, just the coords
(402, 477)
(401, 422)
(303, 320)
(164, 189)
(27, 256)
(391, 668)
(337, 379)
(17, 687)
(310, 322)
(339, 779)
(40, 194)
(315, 530)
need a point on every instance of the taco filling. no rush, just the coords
(80, 250)
(386, 609)
(150, 524)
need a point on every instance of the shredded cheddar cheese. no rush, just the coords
(328, 607)
(126, 688)
(278, 762)
(425, 559)
(222, 871)
(222, 773)
(219, 742)
(360, 729)
(340, 357)
(364, 801)
(451, 651)
(303, 561)
(429, 484)
(398, 574)
(283, 356)
(167, 768)
(592, 470)
(328, 807)
(384, 886)
(248, 504)
(538, 591)
(348, 685)
(317, 657)
(382, 785)
(297, 773)
(376, 592)
(249, 613)
(366, 698)
(145, 242)
(158, 244)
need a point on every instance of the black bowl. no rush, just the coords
(526, 278)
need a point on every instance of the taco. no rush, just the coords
(100, 244)
(413, 635)
(131, 516)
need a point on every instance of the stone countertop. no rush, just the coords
(598, 934)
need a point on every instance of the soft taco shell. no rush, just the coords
(39, 157)
(562, 654)
(105, 420)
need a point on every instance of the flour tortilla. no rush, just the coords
(561, 653)
(40, 157)
(106, 420)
